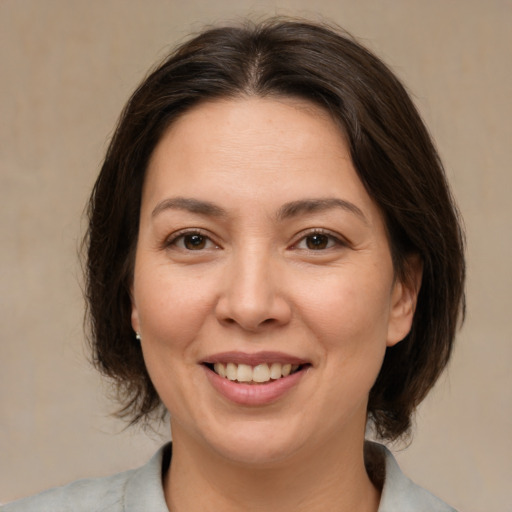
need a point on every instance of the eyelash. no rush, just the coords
(332, 240)
(175, 238)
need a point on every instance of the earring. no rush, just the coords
(137, 335)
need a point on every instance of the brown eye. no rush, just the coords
(317, 242)
(194, 242)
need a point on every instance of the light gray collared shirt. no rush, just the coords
(140, 490)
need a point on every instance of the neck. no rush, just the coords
(330, 478)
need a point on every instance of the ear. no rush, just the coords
(403, 300)
(135, 314)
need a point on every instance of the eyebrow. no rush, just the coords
(287, 211)
(304, 206)
(190, 205)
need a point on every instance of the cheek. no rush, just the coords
(171, 305)
(349, 308)
(348, 315)
(172, 310)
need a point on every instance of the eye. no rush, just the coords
(317, 241)
(192, 241)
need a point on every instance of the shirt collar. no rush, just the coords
(144, 490)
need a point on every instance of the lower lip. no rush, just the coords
(253, 394)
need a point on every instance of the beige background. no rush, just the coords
(67, 67)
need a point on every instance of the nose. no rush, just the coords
(253, 293)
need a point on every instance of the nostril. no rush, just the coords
(247, 325)
(252, 313)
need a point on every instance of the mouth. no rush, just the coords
(255, 379)
(254, 374)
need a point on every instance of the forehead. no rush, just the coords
(276, 126)
(253, 150)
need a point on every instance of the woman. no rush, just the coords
(275, 259)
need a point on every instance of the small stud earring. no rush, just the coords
(137, 335)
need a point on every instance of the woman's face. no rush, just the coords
(258, 249)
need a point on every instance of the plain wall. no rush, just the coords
(66, 69)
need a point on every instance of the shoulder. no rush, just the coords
(93, 494)
(401, 493)
(137, 489)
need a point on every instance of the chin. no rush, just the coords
(255, 442)
(258, 452)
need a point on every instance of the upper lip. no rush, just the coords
(253, 359)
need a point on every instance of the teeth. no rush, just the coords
(231, 371)
(259, 373)
(275, 371)
(244, 373)
(220, 369)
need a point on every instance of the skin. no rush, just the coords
(253, 283)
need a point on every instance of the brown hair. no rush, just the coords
(392, 153)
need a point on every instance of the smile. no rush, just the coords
(257, 374)
(256, 379)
